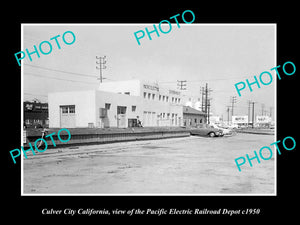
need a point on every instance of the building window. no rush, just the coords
(195, 120)
(145, 94)
(133, 108)
(149, 95)
(178, 100)
(167, 98)
(159, 97)
(121, 109)
(127, 93)
(153, 96)
(107, 106)
(72, 109)
(163, 98)
(64, 109)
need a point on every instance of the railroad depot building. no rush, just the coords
(116, 104)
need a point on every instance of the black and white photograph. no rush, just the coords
(138, 112)
(149, 116)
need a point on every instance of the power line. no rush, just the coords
(61, 71)
(26, 93)
(56, 78)
(230, 78)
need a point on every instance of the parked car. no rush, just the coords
(207, 130)
(225, 130)
(233, 126)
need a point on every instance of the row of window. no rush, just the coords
(167, 115)
(70, 109)
(190, 121)
(164, 98)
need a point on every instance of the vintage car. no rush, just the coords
(207, 130)
(225, 130)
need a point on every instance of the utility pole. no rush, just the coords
(206, 91)
(102, 66)
(206, 98)
(253, 114)
(228, 110)
(249, 107)
(208, 108)
(181, 84)
(233, 100)
(202, 92)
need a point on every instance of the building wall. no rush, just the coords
(160, 106)
(35, 113)
(84, 102)
(191, 120)
(115, 100)
(151, 110)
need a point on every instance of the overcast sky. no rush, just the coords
(220, 55)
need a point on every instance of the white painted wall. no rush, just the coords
(84, 102)
(87, 104)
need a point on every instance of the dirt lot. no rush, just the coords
(190, 165)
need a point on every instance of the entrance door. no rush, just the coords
(67, 116)
(121, 116)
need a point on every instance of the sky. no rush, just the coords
(218, 54)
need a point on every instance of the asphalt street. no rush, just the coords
(190, 165)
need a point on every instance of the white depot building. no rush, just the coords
(116, 104)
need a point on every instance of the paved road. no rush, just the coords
(190, 165)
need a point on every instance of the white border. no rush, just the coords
(149, 194)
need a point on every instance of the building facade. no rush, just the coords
(116, 104)
(193, 117)
(263, 121)
(35, 114)
(240, 120)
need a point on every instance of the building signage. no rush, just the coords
(151, 87)
(174, 92)
(29, 106)
(239, 119)
(263, 119)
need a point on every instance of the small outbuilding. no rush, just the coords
(193, 117)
